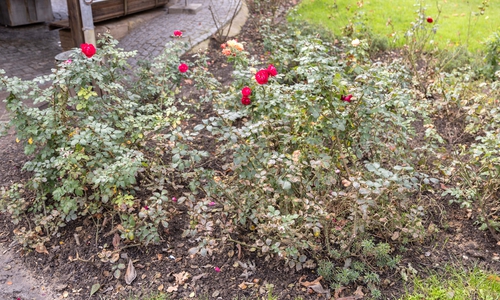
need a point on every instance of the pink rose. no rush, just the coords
(177, 33)
(262, 76)
(88, 50)
(245, 100)
(272, 70)
(246, 91)
(183, 68)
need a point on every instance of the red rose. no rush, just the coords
(88, 50)
(346, 98)
(177, 33)
(262, 76)
(429, 20)
(183, 68)
(246, 91)
(245, 100)
(272, 70)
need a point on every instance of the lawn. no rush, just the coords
(460, 22)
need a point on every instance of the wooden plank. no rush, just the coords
(75, 22)
(110, 9)
(21, 12)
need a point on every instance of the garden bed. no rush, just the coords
(86, 252)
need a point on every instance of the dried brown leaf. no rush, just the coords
(346, 182)
(318, 288)
(195, 278)
(131, 274)
(358, 293)
(339, 290)
(239, 251)
(180, 278)
(171, 289)
(40, 248)
(309, 283)
(116, 240)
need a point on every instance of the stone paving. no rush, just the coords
(149, 40)
(28, 51)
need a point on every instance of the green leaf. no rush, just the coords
(94, 288)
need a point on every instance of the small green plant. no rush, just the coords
(351, 270)
(455, 283)
(492, 56)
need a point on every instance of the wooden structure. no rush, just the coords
(102, 10)
(22, 12)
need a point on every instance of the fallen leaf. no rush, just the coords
(309, 283)
(116, 240)
(243, 286)
(339, 290)
(195, 278)
(180, 278)
(9, 282)
(320, 290)
(171, 289)
(346, 182)
(94, 289)
(493, 278)
(160, 288)
(359, 292)
(40, 248)
(115, 257)
(131, 274)
(159, 256)
(239, 251)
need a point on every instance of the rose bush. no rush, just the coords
(89, 146)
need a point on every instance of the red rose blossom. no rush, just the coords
(272, 70)
(88, 50)
(177, 33)
(183, 68)
(262, 76)
(246, 91)
(346, 98)
(430, 20)
(245, 100)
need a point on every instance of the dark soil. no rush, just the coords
(72, 263)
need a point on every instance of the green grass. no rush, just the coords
(456, 284)
(457, 23)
